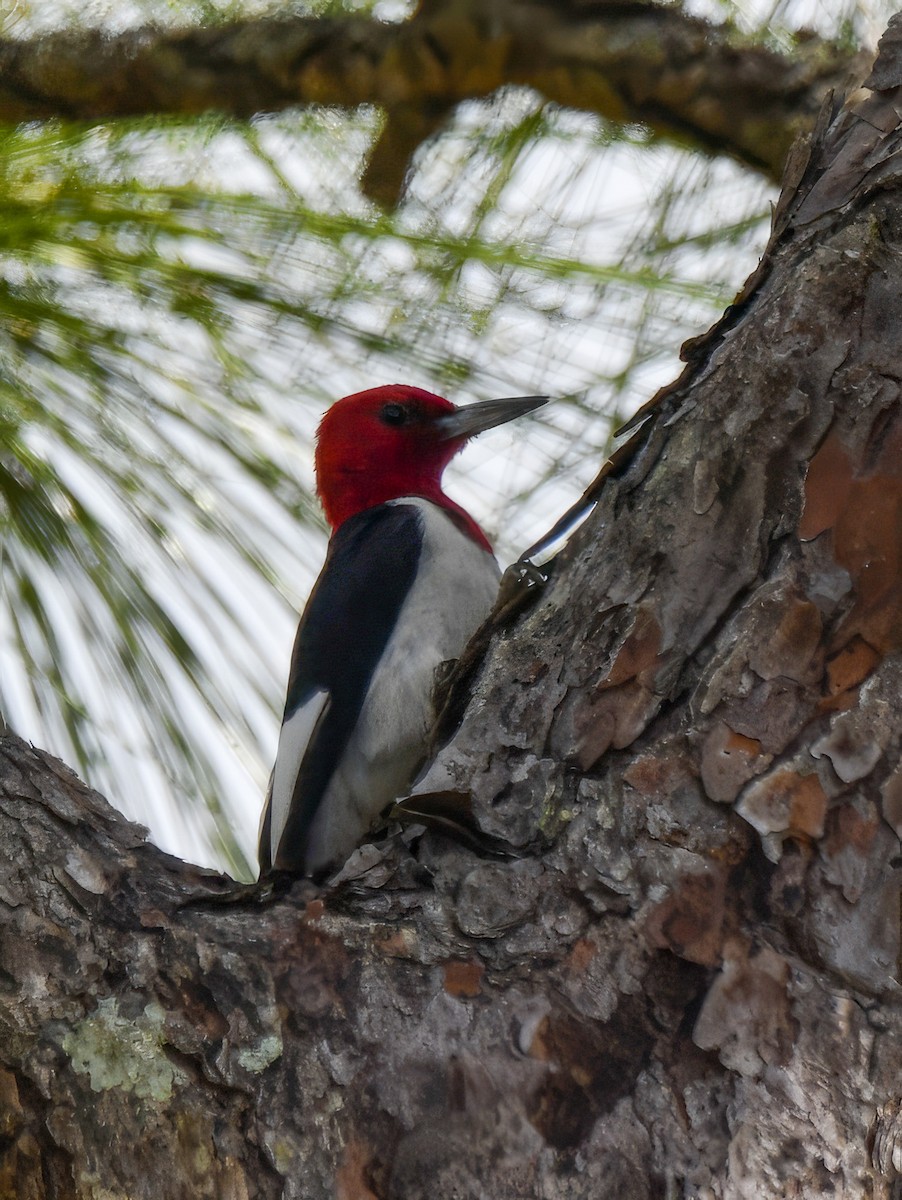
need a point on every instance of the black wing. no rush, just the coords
(369, 570)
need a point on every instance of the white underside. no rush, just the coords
(454, 590)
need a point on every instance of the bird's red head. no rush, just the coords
(396, 441)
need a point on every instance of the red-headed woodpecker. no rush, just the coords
(408, 578)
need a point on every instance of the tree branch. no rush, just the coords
(633, 62)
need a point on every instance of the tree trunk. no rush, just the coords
(684, 979)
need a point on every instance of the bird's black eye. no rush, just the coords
(394, 414)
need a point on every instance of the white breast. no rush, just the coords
(454, 590)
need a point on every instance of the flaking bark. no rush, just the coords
(686, 980)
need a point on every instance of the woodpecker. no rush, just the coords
(408, 578)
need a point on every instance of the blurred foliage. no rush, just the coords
(178, 304)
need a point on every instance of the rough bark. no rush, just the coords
(635, 62)
(683, 981)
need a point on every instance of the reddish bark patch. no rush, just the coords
(615, 718)
(808, 806)
(350, 1178)
(791, 644)
(728, 761)
(690, 920)
(584, 950)
(847, 828)
(625, 700)
(639, 655)
(850, 666)
(198, 1004)
(785, 802)
(862, 509)
(657, 774)
(539, 1047)
(827, 487)
(463, 977)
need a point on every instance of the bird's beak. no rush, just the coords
(475, 418)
